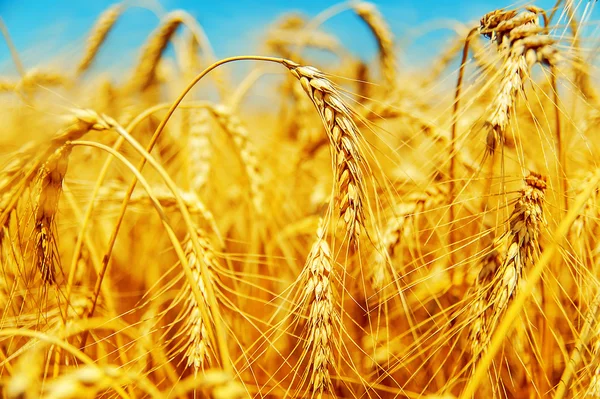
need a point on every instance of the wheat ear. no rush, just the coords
(405, 215)
(80, 123)
(198, 347)
(233, 126)
(52, 175)
(145, 71)
(317, 298)
(200, 152)
(284, 34)
(369, 13)
(98, 34)
(344, 137)
(520, 38)
(522, 249)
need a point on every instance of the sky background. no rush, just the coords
(44, 30)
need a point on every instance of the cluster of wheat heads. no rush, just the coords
(366, 231)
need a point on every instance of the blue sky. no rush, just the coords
(43, 29)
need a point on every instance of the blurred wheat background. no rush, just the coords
(344, 200)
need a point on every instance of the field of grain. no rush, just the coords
(346, 229)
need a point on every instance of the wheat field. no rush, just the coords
(322, 226)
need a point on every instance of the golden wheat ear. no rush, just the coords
(522, 43)
(145, 71)
(344, 137)
(197, 345)
(98, 34)
(506, 261)
(369, 13)
(51, 179)
(234, 127)
(317, 300)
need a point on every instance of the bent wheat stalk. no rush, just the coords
(223, 350)
(342, 133)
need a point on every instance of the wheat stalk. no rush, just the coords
(285, 31)
(519, 36)
(79, 123)
(34, 78)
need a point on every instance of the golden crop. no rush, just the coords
(361, 231)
